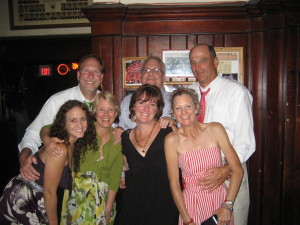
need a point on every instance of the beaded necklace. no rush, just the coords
(148, 138)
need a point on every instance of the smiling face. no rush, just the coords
(145, 109)
(184, 109)
(76, 123)
(152, 73)
(105, 113)
(204, 67)
(90, 77)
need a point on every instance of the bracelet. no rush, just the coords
(187, 223)
(123, 174)
(229, 202)
(229, 208)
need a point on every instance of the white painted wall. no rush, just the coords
(5, 30)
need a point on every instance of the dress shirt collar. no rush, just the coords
(213, 85)
(80, 96)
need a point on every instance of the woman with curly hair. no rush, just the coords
(36, 202)
(96, 171)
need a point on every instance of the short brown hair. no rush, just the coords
(100, 61)
(151, 92)
(211, 50)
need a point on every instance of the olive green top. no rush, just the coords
(108, 169)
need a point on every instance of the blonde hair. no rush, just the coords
(108, 96)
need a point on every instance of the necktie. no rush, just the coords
(89, 105)
(201, 115)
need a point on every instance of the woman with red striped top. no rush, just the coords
(196, 147)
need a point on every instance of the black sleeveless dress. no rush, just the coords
(147, 199)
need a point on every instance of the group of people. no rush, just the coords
(181, 158)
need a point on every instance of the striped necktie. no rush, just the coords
(201, 115)
(89, 105)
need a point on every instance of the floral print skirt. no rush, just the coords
(86, 203)
(22, 203)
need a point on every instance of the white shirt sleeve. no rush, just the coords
(32, 138)
(243, 139)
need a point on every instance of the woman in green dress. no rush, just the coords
(96, 171)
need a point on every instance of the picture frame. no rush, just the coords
(37, 14)
(131, 67)
(231, 63)
(178, 69)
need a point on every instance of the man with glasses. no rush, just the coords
(152, 72)
(229, 103)
(90, 76)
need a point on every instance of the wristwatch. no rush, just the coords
(229, 202)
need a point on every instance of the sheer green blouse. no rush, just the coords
(108, 169)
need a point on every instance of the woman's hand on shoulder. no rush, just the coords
(165, 122)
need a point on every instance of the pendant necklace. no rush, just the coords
(148, 138)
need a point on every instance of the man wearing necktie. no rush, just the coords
(229, 103)
(90, 76)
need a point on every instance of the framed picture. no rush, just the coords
(30, 14)
(178, 69)
(231, 62)
(132, 71)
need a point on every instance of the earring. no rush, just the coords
(133, 118)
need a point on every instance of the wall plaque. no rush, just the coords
(29, 14)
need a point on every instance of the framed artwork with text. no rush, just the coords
(31, 14)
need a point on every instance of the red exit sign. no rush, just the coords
(45, 70)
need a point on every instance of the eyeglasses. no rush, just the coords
(202, 61)
(154, 70)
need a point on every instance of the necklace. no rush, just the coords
(136, 140)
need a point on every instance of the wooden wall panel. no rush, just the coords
(156, 44)
(142, 46)
(129, 47)
(291, 169)
(296, 178)
(255, 167)
(205, 38)
(117, 68)
(239, 40)
(274, 40)
(178, 42)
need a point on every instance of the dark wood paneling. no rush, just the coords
(158, 43)
(142, 47)
(178, 42)
(290, 168)
(274, 40)
(175, 27)
(255, 164)
(129, 46)
(296, 179)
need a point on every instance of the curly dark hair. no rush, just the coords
(58, 129)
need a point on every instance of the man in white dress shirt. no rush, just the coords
(89, 75)
(152, 72)
(229, 103)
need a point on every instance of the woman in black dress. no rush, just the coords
(147, 199)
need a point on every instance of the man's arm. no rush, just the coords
(32, 141)
(32, 138)
(243, 133)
